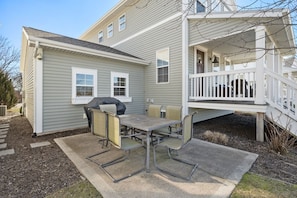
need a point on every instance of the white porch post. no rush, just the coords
(270, 66)
(260, 62)
(185, 57)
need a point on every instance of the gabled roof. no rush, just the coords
(67, 43)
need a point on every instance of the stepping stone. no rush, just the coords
(2, 136)
(2, 126)
(3, 146)
(39, 144)
(2, 140)
(3, 132)
(7, 152)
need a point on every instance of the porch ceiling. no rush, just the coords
(240, 48)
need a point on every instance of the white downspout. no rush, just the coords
(38, 89)
(185, 57)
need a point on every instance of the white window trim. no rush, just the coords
(109, 36)
(99, 36)
(83, 99)
(122, 75)
(167, 48)
(120, 22)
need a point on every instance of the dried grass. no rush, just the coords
(215, 137)
(279, 139)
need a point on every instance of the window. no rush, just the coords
(162, 57)
(120, 86)
(122, 22)
(199, 7)
(84, 85)
(100, 36)
(110, 30)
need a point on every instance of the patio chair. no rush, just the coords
(154, 110)
(111, 108)
(124, 143)
(99, 128)
(175, 144)
(172, 113)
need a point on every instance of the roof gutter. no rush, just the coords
(33, 41)
(234, 15)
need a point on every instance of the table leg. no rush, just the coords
(148, 152)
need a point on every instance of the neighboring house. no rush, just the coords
(194, 50)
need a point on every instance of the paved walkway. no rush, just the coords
(4, 128)
(220, 169)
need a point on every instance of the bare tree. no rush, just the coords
(9, 57)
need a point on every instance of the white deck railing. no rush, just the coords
(240, 85)
(281, 93)
(224, 85)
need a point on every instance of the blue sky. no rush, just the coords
(66, 17)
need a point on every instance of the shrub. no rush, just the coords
(279, 139)
(215, 137)
(7, 94)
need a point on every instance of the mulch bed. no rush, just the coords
(37, 172)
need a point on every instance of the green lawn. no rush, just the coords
(252, 185)
(81, 189)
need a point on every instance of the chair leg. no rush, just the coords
(195, 166)
(96, 154)
(115, 161)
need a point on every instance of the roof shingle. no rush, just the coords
(72, 41)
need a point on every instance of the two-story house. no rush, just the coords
(185, 52)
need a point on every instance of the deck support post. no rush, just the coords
(260, 127)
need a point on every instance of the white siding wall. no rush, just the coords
(58, 112)
(28, 86)
(145, 46)
(138, 17)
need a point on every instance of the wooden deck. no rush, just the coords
(245, 106)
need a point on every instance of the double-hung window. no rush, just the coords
(162, 58)
(100, 36)
(120, 86)
(84, 85)
(110, 30)
(122, 22)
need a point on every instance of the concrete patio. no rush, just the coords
(220, 169)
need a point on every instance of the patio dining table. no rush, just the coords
(148, 125)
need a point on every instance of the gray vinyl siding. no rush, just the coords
(145, 46)
(58, 111)
(203, 31)
(138, 17)
(28, 86)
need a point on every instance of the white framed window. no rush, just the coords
(84, 85)
(100, 37)
(122, 22)
(162, 64)
(110, 30)
(120, 86)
